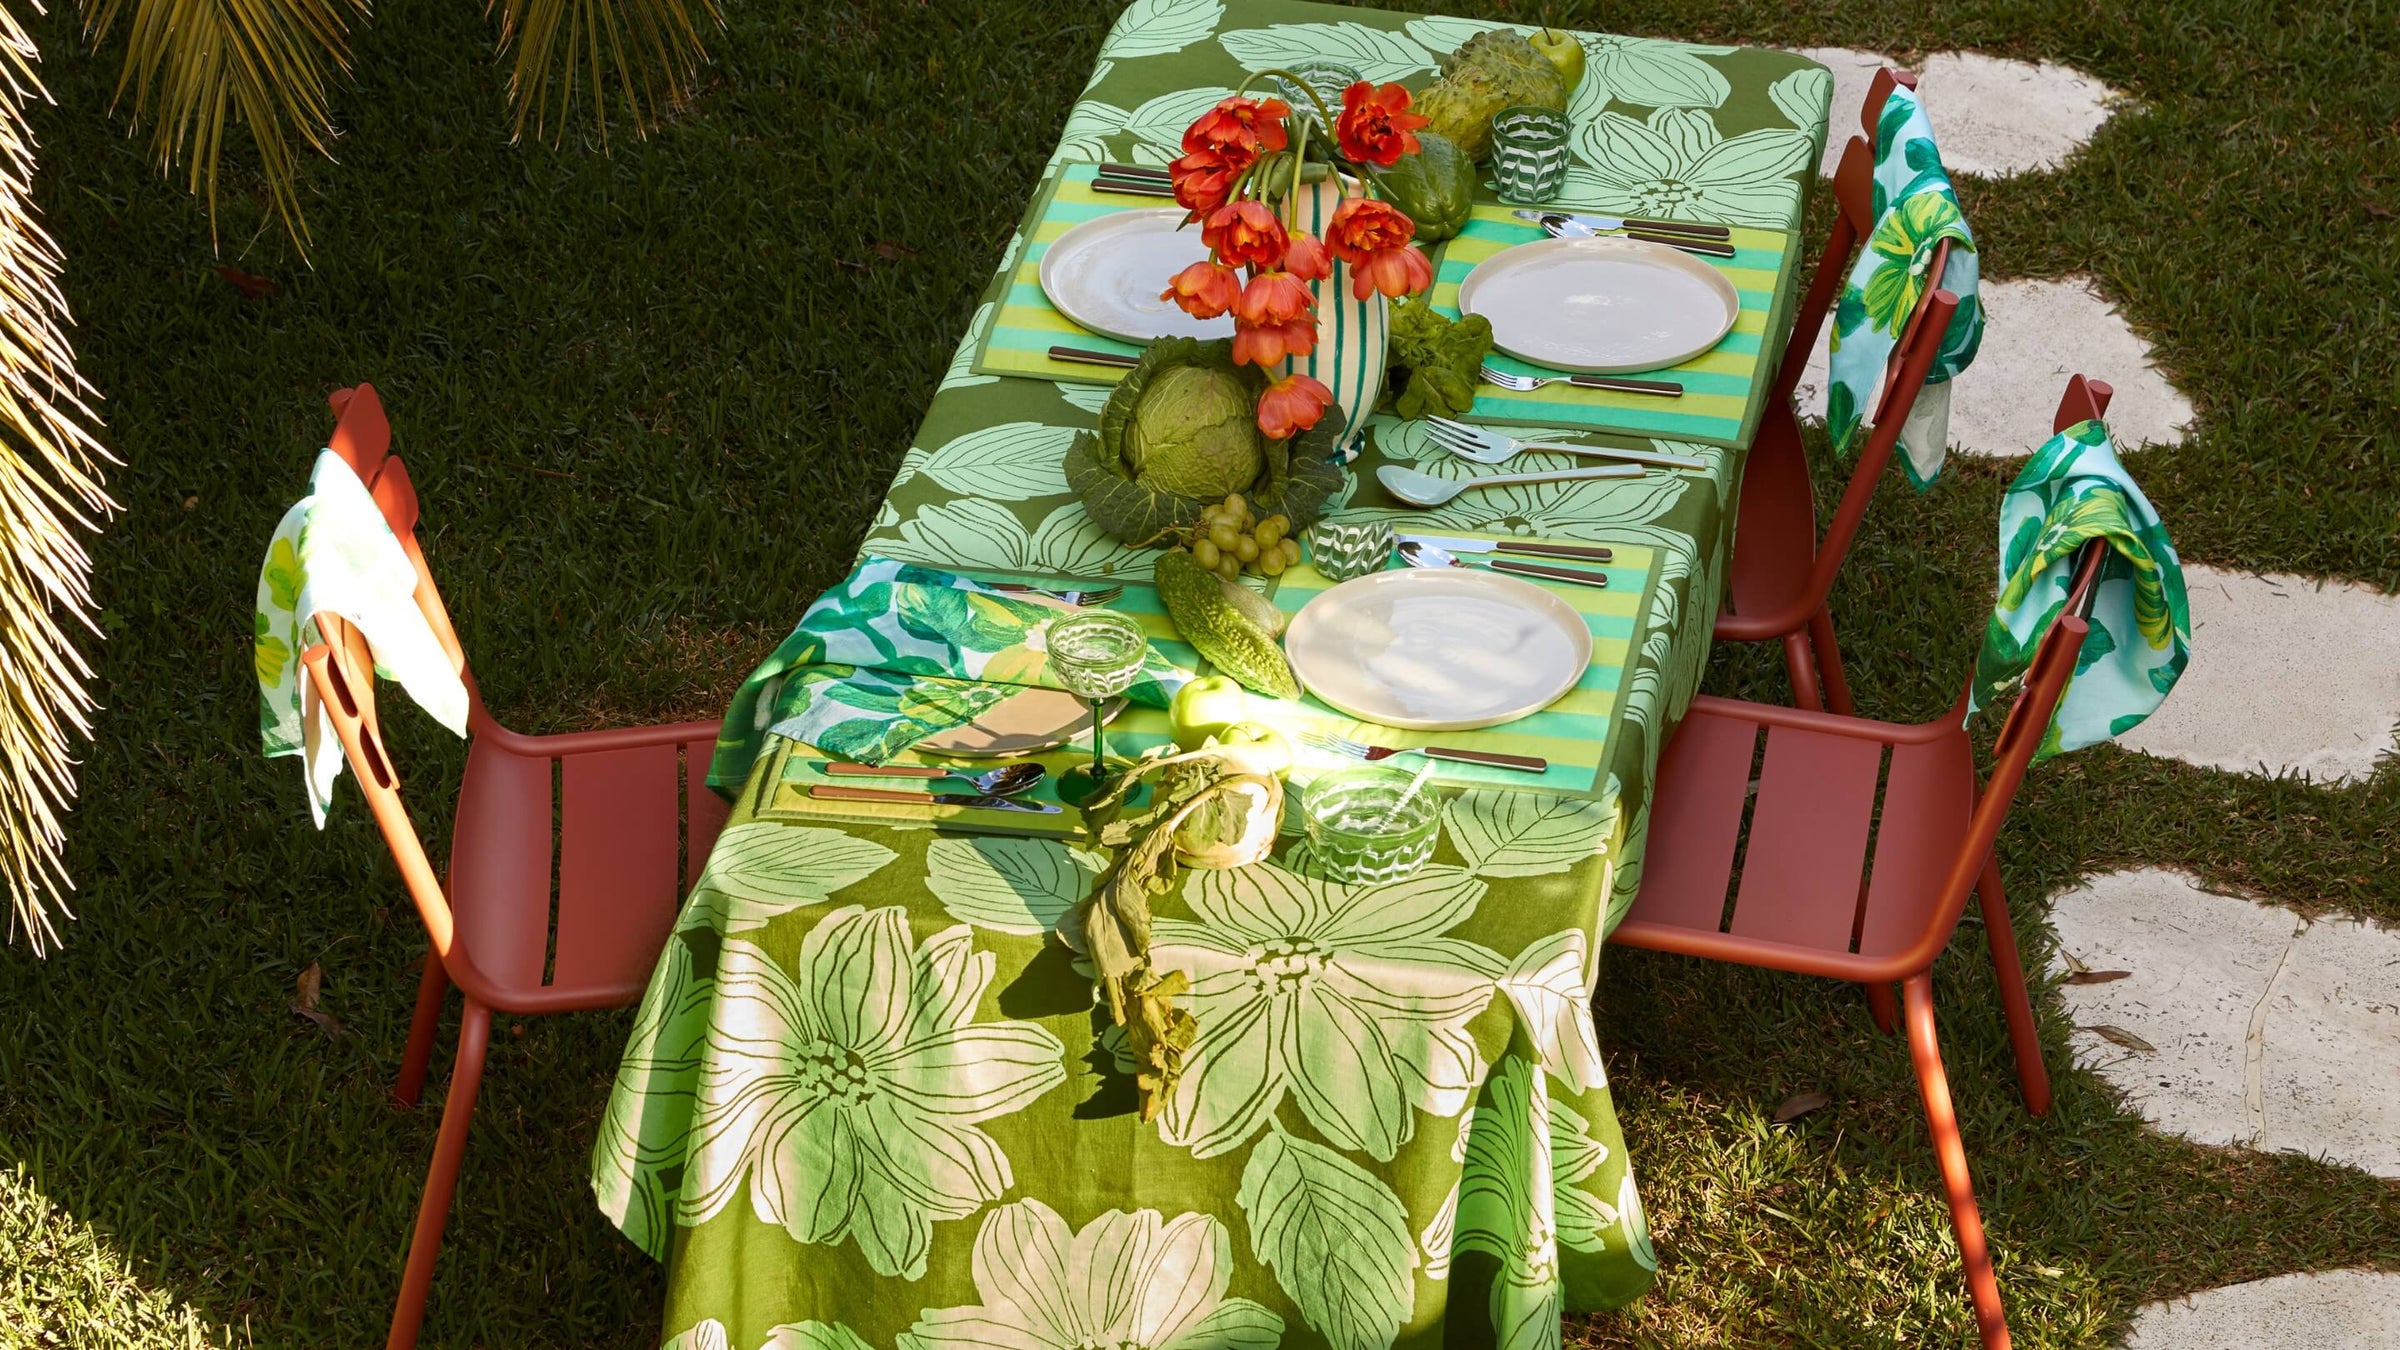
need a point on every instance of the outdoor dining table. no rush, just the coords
(869, 1100)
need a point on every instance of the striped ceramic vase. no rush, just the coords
(1352, 335)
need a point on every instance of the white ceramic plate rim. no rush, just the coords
(1659, 255)
(1525, 594)
(1098, 233)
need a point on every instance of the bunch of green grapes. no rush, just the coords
(1229, 539)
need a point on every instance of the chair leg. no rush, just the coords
(431, 986)
(1950, 1153)
(1885, 1008)
(441, 1180)
(1802, 663)
(2032, 1074)
(1829, 662)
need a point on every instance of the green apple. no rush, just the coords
(1205, 707)
(1268, 751)
(1564, 52)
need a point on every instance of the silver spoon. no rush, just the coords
(1005, 781)
(1423, 489)
(1417, 553)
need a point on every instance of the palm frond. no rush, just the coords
(652, 48)
(50, 492)
(195, 66)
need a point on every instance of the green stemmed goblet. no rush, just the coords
(1095, 655)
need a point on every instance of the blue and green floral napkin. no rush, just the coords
(333, 552)
(892, 655)
(2075, 489)
(1914, 211)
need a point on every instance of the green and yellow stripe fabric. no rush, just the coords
(1027, 325)
(1724, 388)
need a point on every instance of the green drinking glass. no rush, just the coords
(1529, 154)
(1370, 824)
(1094, 655)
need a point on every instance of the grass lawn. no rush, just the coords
(651, 401)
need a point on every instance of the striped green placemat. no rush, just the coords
(1026, 326)
(1723, 387)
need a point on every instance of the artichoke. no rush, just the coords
(1180, 433)
(1493, 70)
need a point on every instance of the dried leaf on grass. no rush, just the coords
(1800, 1104)
(252, 287)
(311, 986)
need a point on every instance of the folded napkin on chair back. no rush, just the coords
(2075, 490)
(334, 553)
(1915, 210)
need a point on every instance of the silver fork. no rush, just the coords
(1526, 384)
(1486, 446)
(1350, 749)
(1097, 595)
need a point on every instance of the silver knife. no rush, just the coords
(835, 792)
(1536, 215)
(1531, 548)
(1567, 227)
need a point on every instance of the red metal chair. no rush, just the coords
(635, 820)
(1782, 569)
(1806, 900)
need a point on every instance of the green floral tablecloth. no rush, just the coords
(868, 1101)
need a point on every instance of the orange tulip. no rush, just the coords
(1246, 234)
(1394, 271)
(1273, 298)
(1268, 344)
(1204, 179)
(1204, 289)
(1363, 226)
(1249, 123)
(1375, 125)
(1292, 405)
(1307, 259)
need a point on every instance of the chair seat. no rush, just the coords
(1775, 530)
(579, 898)
(1774, 872)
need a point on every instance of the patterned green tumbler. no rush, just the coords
(1529, 154)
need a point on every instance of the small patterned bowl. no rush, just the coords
(1342, 552)
(1529, 154)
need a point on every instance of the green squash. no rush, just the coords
(1435, 186)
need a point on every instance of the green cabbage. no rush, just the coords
(1180, 433)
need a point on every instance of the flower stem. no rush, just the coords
(1300, 84)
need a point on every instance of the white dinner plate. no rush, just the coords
(1438, 650)
(1107, 272)
(1600, 306)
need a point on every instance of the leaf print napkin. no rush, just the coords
(1914, 210)
(2075, 490)
(333, 552)
(892, 655)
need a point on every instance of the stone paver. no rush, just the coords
(1993, 117)
(2288, 675)
(2267, 1031)
(2331, 1310)
(2036, 334)
(1996, 117)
